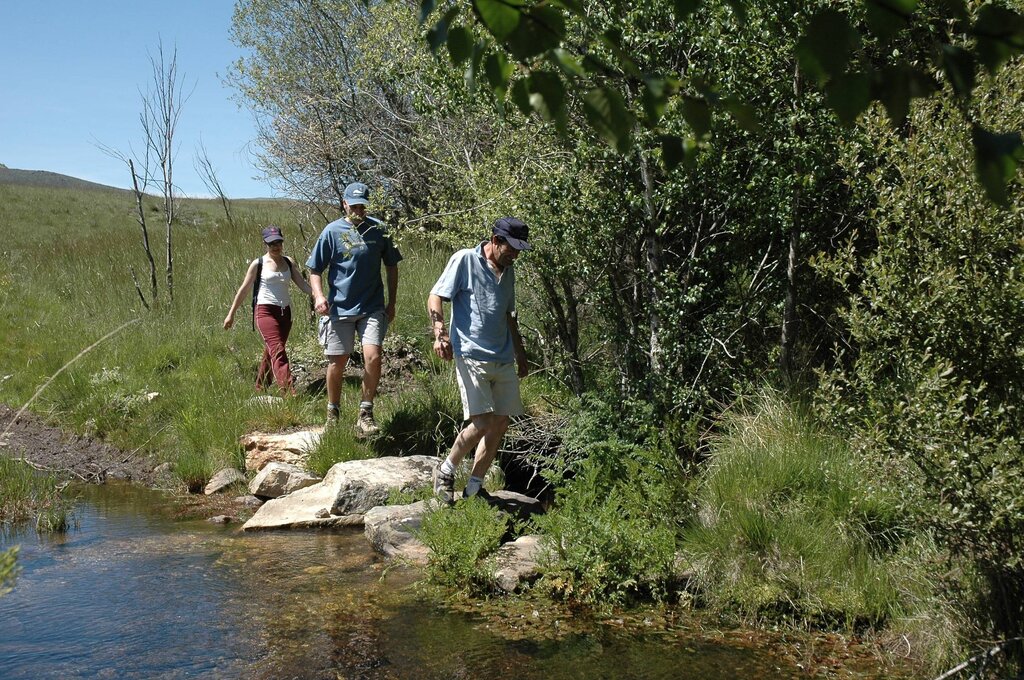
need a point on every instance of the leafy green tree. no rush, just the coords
(934, 375)
(848, 50)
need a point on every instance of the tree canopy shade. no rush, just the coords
(890, 51)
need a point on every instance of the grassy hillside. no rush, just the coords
(67, 283)
(49, 180)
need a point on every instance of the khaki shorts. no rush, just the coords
(488, 387)
(338, 336)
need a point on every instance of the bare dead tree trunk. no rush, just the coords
(161, 110)
(141, 217)
(208, 174)
(790, 322)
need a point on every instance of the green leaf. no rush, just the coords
(958, 65)
(684, 8)
(426, 9)
(460, 44)
(568, 63)
(498, 70)
(698, 115)
(547, 97)
(607, 114)
(897, 84)
(521, 97)
(501, 17)
(1000, 35)
(541, 29)
(574, 6)
(672, 153)
(996, 157)
(612, 39)
(438, 35)
(886, 18)
(827, 45)
(739, 8)
(473, 67)
(743, 113)
(849, 95)
(655, 98)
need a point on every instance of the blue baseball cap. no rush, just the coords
(357, 193)
(513, 231)
(271, 234)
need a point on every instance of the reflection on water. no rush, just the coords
(133, 593)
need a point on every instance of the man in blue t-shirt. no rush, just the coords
(352, 250)
(487, 348)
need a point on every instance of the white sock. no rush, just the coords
(473, 485)
(366, 406)
(447, 467)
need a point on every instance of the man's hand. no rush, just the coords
(229, 321)
(390, 309)
(320, 305)
(443, 348)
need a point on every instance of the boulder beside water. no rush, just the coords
(348, 491)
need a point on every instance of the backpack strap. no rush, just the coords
(256, 288)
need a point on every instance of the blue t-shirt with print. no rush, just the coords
(480, 306)
(353, 257)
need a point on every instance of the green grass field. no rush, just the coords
(67, 284)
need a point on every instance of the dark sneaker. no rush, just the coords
(366, 426)
(444, 486)
(332, 416)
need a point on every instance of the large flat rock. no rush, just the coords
(289, 447)
(348, 491)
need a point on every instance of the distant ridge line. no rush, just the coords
(50, 180)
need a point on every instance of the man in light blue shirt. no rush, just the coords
(352, 250)
(486, 346)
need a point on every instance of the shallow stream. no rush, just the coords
(134, 593)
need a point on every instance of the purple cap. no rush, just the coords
(271, 234)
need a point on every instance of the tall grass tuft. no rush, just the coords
(26, 494)
(8, 569)
(791, 526)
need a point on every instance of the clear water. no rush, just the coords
(132, 593)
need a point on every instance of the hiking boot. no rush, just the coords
(444, 486)
(332, 416)
(366, 426)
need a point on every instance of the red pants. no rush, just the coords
(274, 323)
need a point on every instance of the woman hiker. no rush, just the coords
(272, 312)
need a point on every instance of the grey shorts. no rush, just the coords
(488, 387)
(338, 336)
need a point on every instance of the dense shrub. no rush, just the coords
(611, 535)
(934, 378)
(462, 541)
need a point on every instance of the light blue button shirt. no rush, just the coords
(480, 306)
(353, 258)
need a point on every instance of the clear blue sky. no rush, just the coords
(70, 77)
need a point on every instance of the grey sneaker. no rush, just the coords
(332, 415)
(481, 494)
(444, 486)
(366, 426)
